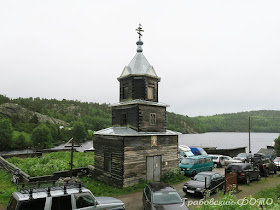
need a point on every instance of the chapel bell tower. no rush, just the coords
(138, 107)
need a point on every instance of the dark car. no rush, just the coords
(244, 157)
(214, 181)
(265, 165)
(246, 172)
(162, 196)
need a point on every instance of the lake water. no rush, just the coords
(224, 140)
(219, 140)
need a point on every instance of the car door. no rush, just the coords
(147, 198)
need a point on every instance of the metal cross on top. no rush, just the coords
(139, 30)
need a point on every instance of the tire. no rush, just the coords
(247, 180)
(210, 169)
(194, 173)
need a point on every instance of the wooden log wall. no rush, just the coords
(136, 150)
(144, 118)
(131, 112)
(113, 145)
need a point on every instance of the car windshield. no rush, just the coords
(187, 161)
(234, 168)
(188, 153)
(242, 155)
(166, 198)
(201, 178)
(203, 152)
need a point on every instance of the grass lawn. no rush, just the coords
(52, 162)
(6, 187)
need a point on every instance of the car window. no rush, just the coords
(202, 160)
(166, 198)
(247, 167)
(84, 200)
(187, 161)
(34, 204)
(218, 176)
(61, 203)
(231, 168)
(214, 157)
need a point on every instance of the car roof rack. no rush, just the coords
(48, 186)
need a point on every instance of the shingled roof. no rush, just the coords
(139, 65)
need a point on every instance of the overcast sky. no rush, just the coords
(213, 56)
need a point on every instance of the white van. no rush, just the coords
(184, 151)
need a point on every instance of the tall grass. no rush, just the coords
(6, 187)
(52, 162)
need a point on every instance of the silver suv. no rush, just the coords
(61, 197)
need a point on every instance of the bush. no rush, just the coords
(173, 176)
(6, 134)
(41, 137)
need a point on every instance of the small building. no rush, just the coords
(137, 146)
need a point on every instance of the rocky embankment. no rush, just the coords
(10, 109)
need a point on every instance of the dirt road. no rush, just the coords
(134, 201)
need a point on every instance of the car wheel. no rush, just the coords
(194, 173)
(247, 180)
(210, 169)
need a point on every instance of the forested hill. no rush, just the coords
(94, 116)
(261, 121)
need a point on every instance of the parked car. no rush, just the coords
(225, 160)
(196, 164)
(277, 162)
(214, 181)
(244, 157)
(162, 196)
(198, 151)
(265, 165)
(246, 172)
(184, 151)
(216, 160)
(67, 196)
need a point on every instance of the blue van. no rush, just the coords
(196, 164)
(198, 151)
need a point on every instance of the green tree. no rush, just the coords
(6, 134)
(41, 137)
(277, 146)
(79, 132)
(21, 141)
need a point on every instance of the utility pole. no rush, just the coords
(249, 134)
